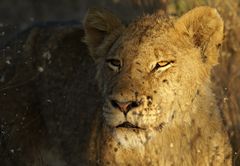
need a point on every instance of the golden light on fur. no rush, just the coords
(159, 107)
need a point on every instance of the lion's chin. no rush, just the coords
(132, 137)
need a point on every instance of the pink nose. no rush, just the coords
(125, 107)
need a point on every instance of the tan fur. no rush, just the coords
(176, 114)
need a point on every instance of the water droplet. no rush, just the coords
(8, 62)
(40, 69)
(49, 101)
(12, 150)
(47, 55)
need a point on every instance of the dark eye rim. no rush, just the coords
(157, 66)
(114, 62)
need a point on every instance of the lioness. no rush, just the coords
(154, 76)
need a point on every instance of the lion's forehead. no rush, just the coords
(140, 47)
(145, 30)
(153, 26)
(145, 54)
(145, 47)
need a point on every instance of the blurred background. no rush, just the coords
(16, 15)
(26, 11)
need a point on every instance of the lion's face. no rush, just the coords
(139, 79)
(148, 71)
(137, 83)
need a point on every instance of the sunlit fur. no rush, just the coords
(178, 120)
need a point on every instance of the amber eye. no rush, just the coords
(114, 64)
(162, 65)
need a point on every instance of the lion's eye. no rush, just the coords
(114, 64)
(162, 65)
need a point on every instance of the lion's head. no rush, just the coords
(152, 69)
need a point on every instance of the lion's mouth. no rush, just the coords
(128, 125)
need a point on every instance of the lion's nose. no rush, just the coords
(125, 107)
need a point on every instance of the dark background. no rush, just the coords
(23, 12)
(17, 15)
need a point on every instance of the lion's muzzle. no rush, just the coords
(125, 107)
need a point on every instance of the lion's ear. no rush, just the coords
(98, 24)
(205, 28)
